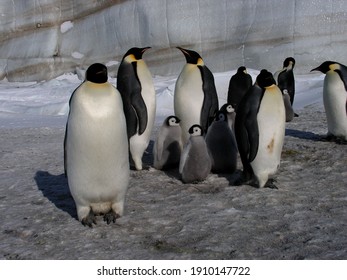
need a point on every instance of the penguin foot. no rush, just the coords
(296, 115)
(270, 184)
(111, 217)
(336, 139)
(243, 180)
(89, 220)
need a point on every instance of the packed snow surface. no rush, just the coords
(305, 218)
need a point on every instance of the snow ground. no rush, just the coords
(164, 218)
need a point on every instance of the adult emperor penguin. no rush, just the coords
(260, 129)
(96, 148)
(335, 99)
(238, 86)
(195, 163)
(168, 146)
(195, 99)
(221, 143)
(285, 78)
(135, 84)
(229, 110)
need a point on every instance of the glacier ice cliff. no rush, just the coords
(41, 39)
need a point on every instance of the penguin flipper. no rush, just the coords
(135, 109)
(65, 154)
(343, 75)
(210, 105)
(252, 129)
(140, 110)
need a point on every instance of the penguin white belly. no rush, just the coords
(271, 124)
(97, 150)
(139, 143)
(334, 98)
(188, 99)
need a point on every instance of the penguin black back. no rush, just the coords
(238, 86)
(286, 78)
(129, 86)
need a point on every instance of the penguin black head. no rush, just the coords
(265, 79)
(97, 73)
(192, 57)
(196, 130)
(172, 121)
(136, 52)
(287, 61)
(221, 117)
(241, 70)
(325, 66)
(227, 108)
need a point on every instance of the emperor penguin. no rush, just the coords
(285, 78)
(229, 110)
(195, 98)
(195, 163)
(168, 146)
(135, 84)
(335, 99)
(238, 86)
(287, 105)
(260, 129)
(96, 148)
(221, 143)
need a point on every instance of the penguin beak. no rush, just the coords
(315, 69)
(184, 51)
(145, 49)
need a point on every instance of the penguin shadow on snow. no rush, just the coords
(306, 135)
(56, 190)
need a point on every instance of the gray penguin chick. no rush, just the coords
(221, 142)
(168, 145)
(195, 163)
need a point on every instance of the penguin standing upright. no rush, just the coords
(135, 84)
(96, 148)
(260, 129)
(168, 146)
(286, 81)
(285, 78)
(238, 86)
(221, 143)
(335, 99)
(195, 163)
(195, 99)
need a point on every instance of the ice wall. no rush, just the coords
(41, 39)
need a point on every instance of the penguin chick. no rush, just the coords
(229, 110)
(168, 144)
(195, 163)
(221, 143)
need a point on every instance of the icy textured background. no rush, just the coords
(44, 39)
